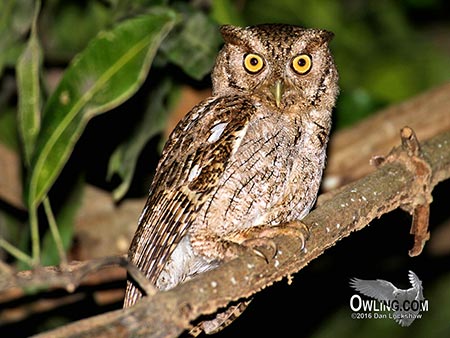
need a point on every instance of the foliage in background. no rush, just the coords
(64, 63)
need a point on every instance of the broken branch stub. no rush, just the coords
(411, 156)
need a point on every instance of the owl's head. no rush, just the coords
(282, 65)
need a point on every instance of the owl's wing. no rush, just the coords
(191, 165)
(379, 289)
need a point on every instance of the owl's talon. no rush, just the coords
(260, 254)
(254, 246)
(302, 228)
(257, 245)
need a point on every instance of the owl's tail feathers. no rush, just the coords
(132, 295)
(137, 285)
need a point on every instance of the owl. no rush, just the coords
(247, 160)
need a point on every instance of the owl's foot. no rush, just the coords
(260, 239)
(263, 247)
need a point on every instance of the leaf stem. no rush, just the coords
(55, 232)
(15, 252)
(35, 241)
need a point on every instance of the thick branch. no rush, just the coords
(350, 149)
(167, 314)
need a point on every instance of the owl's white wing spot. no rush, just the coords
(239, 136)
(195, 171)
(216, 132)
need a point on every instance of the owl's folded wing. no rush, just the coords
(191, 165)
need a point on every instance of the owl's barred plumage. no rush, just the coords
(179, 190)
(251, 156)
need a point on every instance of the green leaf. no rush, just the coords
(59, 18)
(106, 73)
(124, 159)
(194, 46)
(15, 21)
(28, 71)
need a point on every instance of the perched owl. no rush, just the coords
(250, 157)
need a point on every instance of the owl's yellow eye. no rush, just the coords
(253, 63)
(302, 64)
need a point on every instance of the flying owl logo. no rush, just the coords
(405, 303)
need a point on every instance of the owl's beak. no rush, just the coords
(277, 91)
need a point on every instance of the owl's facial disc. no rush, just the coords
(277, 90)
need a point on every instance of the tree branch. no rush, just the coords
(350, 149)
(167, 314)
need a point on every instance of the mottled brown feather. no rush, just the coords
(173, 201)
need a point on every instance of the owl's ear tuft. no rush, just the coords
(232, 34)
(319, 38)
(325, 36)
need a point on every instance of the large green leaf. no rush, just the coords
(28, 71)
(106, 73)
